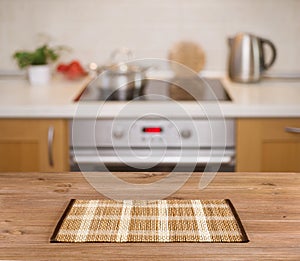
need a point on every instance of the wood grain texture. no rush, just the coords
(263, 145)
(267, 203)
(189, 54)
(24, 145)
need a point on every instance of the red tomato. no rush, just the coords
(76, 66)
(75, 70)
(72, 70)
(62, 67)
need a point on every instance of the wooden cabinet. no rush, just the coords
(268, 145)
(34, 145)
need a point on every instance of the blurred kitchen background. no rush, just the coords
(93, 28)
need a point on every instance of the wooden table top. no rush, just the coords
(268, 205)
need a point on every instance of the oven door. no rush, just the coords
(154, 160)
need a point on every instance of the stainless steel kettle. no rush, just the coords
(247, 59)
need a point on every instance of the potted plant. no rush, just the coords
(37, 62)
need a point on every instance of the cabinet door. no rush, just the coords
(268, 145)
(34, 145)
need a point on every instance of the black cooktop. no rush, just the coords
(180, 89)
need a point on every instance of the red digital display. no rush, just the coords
(152, 129)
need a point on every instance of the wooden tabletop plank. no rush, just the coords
(267, 203)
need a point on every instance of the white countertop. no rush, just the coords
(269, 98)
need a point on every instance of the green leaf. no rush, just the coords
(24, 59)
(39, 56)
(42, 55)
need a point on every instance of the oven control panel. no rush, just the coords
(154, 133)
(158, 132)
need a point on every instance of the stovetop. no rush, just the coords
(179, 89)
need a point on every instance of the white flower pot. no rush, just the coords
(39, 74)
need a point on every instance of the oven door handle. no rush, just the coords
(89, 159)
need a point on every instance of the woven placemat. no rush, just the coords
(149, 221)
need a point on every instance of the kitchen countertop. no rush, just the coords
(269, 98)
(267, 204)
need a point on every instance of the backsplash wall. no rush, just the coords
(94, 28)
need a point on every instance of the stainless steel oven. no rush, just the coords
(154, 142)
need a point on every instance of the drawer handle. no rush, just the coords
(50, 145)
(292, 129)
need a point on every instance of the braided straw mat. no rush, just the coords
(149, 221)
